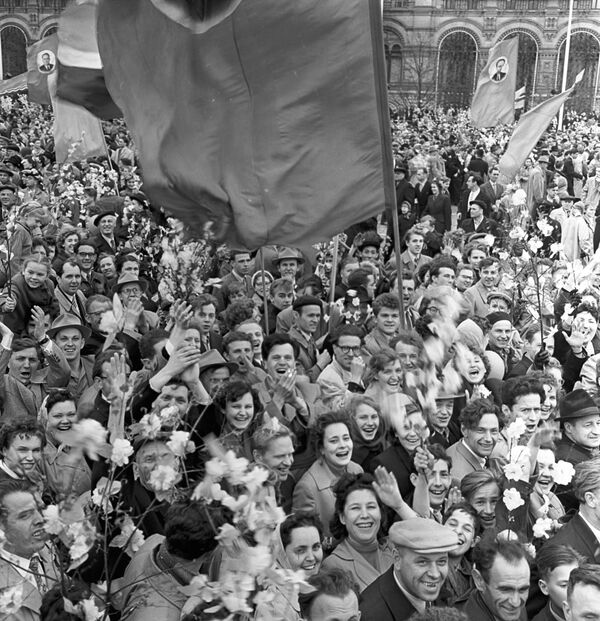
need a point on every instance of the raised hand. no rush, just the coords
(39, 323)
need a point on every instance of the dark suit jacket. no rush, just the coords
(574, 454)
(577, 534)
(382, 600)
(404, 192)
(397, 461)
(491, 196)
(421, 196)
(487, 225)
(477, 610)
(102, 245)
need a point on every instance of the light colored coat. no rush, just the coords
(345, 557)
(314, 491)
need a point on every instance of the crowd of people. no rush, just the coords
(192, 431)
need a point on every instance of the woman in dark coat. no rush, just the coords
(439, 207)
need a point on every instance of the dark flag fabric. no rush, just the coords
(80, 76)
(273, 124)
(494, 99)
(41, 64)
(529, 130)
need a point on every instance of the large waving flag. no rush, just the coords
(80, 78)
(529, 130)
(494, 100)
(273, 123)
(41, 63)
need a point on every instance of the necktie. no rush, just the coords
(36, 569)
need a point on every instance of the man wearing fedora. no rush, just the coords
(415, 579)
(580, 425)
(288, 262)
(129, 288)
(68, 334)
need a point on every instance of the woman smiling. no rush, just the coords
(65, 473)
(359, 523)
(238, 405)
(333, 445)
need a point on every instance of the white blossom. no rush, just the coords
(163, 478)
(121, 452)
(131, 538)
(52, 522)
(512, 499)
(542, 529)
(563, 472)
(180, 443)
(516, 429)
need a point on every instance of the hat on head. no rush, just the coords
(65, 321)
(32, 208)
(6, 170)
(101, 215)
(212, 358)
(360, 294)
(496, 293)
(543, 159)
(423, 535)
(370, 238)
(307, 300)
(479, 202)
(128, 279)
(8, 186)
(15, 160)
(31, 172)
(497, 316)
(288, 253)
(566, 197)
(140, 197)
(577, 404)
(11, 146)
(401, 168)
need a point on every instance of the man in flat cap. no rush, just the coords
(420, 568)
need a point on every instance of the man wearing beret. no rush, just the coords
(478, 223)
(580, 425)
(415, 579)
(307, 318)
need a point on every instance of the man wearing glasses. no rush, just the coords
(91, 282)
(343, 376)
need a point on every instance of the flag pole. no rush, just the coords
(396, 225)
(566, 63)
(264, 292)
(334, 266)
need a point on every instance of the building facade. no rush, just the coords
(435, 49)
(22, 22)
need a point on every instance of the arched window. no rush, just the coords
(582, 55)
(526, 65)
(14, 51)
(457, 59)
(393, 58)
(50, 31)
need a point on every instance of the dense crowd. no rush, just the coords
(192, 431)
